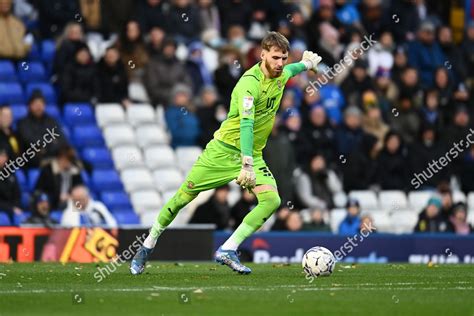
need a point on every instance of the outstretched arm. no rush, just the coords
(309, 61)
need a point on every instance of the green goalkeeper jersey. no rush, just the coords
(256, 98)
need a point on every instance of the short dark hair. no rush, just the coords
(275, 39)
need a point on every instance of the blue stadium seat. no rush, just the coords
(25, 199)
(34, 53)
(106, 180)
(21, 177)
(116, 200)
(46, 88)
(78, 113)
(4, 219)
(66, 131)
(11, 93)
(18, 111)
(7, 71)
(18, 219)
(32, 71)
(98, 157)
(127, 218)
(33, 175)
(48, 49)
(56, 215)
(86, 178)
(53, 110)
(89, 135)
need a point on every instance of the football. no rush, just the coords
(318, 261)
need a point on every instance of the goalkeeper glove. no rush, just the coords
(311, 60)
(246, 178)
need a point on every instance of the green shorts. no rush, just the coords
(218, 165)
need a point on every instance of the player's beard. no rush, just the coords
(273, 73)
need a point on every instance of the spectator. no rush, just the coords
(228, 73)
(196, 68)
(280, 158)
(163, 73)
(458, 220)
(452, 53)
(10, 193)
(79, 81)
(350, 133)
(281, 217)
(429, 112)
(317, 223)
(184, 22)
(232, 13)
(404, 119)
(332, 98)
(150, 14)
(381, 54)
(112, 76)
(400, 63)
(209, 15)
(425, 54)
(405, 28)
(15, 43)
(41, 211)
(58, 176)
(83, 210)
(429, 220)
(91, 11)
(458, 128)
(330, 48)
(156, 40)
(318, 136)
(243, 206)
(133, 50)
(392, 172)
(294, 222)
(386, 91)
(116, 13)
(410, 86)
(351, 223)
(9, 140)
(445, 88)
(34, 128)
(182, 122)
(316, 185)
(359, 167)
(55, 14)
(210, 114)
(367, 224)
(446, 201)
(67, 46)
(215, 211)
(466, 170)
(372, 121)
(356, 83)
(468, 52)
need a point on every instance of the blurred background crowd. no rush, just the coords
(379, 121)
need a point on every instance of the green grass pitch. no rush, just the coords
(210, 289)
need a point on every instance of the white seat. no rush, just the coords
(147, 219)
(137, 179)
(403, 221)
(367, 199)
(136, 91)
(148, 135)
(127, 157)
(470, 200)
(167, 179)
(187, 156)
(140, 114)
(159, 157)
(459, 196)
(160, 117)
(336, 217)
(116, 135)
(381, 221)
(146, 201)
(470, 217)
(419, 199)
(109, 113)
(392, 200)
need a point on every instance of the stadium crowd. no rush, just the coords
(377, 124)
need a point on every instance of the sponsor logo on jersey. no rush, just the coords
(190, 184)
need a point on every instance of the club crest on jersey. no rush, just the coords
(190, 185)
(279, 84)
(248, 104)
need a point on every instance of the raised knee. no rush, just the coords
(270, 198)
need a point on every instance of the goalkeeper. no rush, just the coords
(236, 151)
